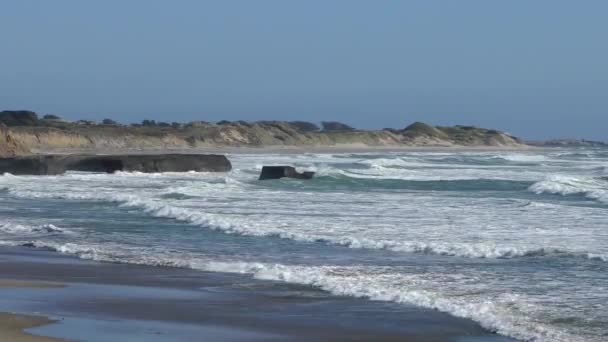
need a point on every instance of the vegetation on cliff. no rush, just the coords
(27, 130)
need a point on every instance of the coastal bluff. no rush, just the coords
(9, 146)
(59, 164)
(27, 131)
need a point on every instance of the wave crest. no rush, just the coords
(20, 229)
(354, 281)
(590, 187)
(159, 208)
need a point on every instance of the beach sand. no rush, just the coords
(12, 325)
(94, 301)
(27, 284)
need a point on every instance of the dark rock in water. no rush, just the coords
(58, 164)
(151, 163)
(276, 172)
(33, 165)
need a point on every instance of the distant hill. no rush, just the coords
(51, 133)
(567, 143)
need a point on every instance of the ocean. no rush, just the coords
(516, 241)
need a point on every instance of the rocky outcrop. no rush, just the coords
(58, 164)
(276, 172)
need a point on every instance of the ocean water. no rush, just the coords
(517, 241)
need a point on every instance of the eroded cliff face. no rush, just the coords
(19, 139)
(9, 145)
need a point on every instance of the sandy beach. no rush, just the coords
(90, 301)
(12, 325)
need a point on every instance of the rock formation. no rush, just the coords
(58, 164)
(276, 172)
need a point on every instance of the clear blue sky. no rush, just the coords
(537, 69)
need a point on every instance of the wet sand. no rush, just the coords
(94, 301)
(12, 328)
(27, 284)
(12, 325)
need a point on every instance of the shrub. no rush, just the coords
(335, 126)
(18, 118)
(304, 126)
(109, 122)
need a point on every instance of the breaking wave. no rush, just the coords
(21, 229)
(592, 188)
(354, 281)
(329, 178)
(218, 222)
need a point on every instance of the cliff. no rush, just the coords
(9, 146)
(53, 135)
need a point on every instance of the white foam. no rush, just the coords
(160, 208)
(19, 229)
(594, 256)
(592, 188)
(357, 281)
(523, 158)
(384, 162)
(460, 225)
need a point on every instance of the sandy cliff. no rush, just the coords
(55, 135)
(10, 145)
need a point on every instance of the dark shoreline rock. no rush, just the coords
(276, 172)
(58, 164)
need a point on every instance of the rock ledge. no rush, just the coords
(58, 164)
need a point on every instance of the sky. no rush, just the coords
(537, 69)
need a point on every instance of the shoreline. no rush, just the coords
(13, 327)
(177, 304)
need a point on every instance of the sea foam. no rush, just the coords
(356, 281)
(590, 187)
(160, 208)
